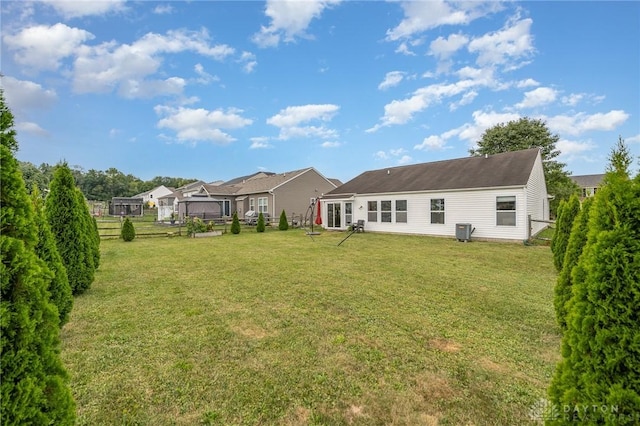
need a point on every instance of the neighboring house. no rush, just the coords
(191, 188)
(588, 184)
(264, 192)
(496, 194)
(151, 196)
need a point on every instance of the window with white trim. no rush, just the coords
(252, 204)
(372, 211)
(437, 210)
(506, 211)
(263, 206)
(385, 211)
(401, 211)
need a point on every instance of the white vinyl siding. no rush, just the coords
(477, 207)
(536, 198)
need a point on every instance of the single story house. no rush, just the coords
(496, 194)
(264, 192)
(588, 184)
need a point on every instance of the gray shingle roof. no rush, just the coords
(588, 181)
(506, 169)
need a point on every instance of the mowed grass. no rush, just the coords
(278, 328)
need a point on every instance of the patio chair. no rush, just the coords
(359, 226)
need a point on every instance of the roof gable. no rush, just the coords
(505, 169)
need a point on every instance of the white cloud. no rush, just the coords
(401, 111)
(405, 159)
(633, 139)
(102, 68)
(431, 143)
(466, 99)
(249, 61)
(29, 127)
(472, 132)
(79, 8)
(538, 97)
(443, 48)
(260, 143)
(43, 47)
(289, 20)
(295, 115)
(203, 76)
(506, 46)
(569, 149)
(420, 16)
(163, 9)
(391, 79)
(529, 82)
(22, 95)
(580, 122)
(145, 89)
(404, 49)
(573, 99)
(381, 155)
(195, 125)
(329, 144)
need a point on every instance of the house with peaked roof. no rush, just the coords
(589, 184)
(151, 196)
(497, 195)
(265, 192)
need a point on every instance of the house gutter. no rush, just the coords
(273, 194)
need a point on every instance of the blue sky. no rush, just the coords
(215, 90)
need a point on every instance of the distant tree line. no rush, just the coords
(97, 185)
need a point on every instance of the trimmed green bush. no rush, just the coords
(564, 223)
(68, 224)
(260, 227)
(195, 225)
(235, 224)
(59, 288)
(283, 225)
(89, 231)
(128, 232)
(600, 363)
(34, 387)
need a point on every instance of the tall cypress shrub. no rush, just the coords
(600, 363)
(564, 223)
(283, 225)
(235, 224)
(68, 226)
(577, 240)
(260, 227)
(34, 384)
(91, 237)
(46, 249)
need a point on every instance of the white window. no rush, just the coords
(506, 211)
(263, 207)
(372, 211)
(437, 210)
(385, 211)
(401, 211)
(252, 204)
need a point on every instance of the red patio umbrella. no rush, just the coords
(318, 217)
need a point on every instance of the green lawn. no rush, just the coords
(279, 328)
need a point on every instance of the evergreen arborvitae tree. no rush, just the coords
(34, 388)
(564, 223)
(46, 249)
(260, 226)
(283, 225)
(235, 224)
(128, 232)
(601, 347)
(91, 236)
(577, 240)
(68, 226)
